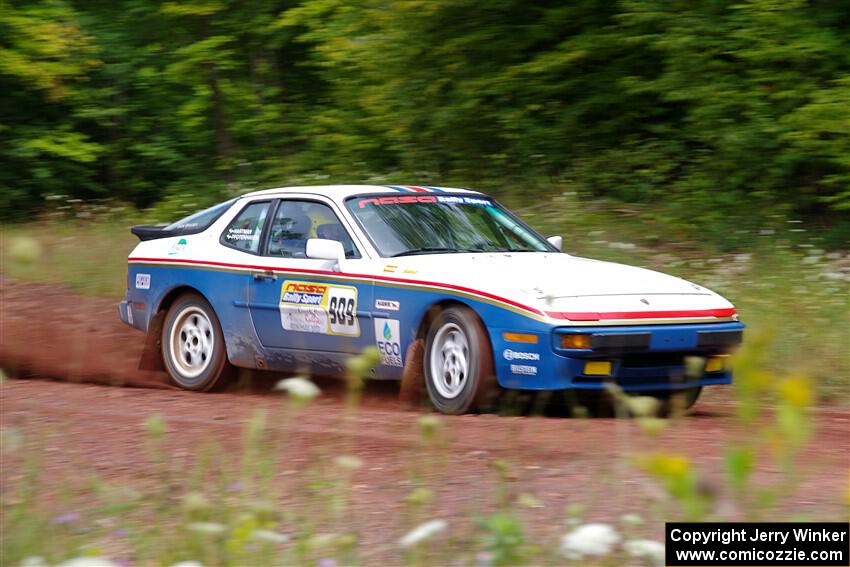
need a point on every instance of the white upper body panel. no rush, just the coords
(549, 282)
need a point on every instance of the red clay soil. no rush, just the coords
(49, 332)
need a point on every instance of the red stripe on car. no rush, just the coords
(612, 315)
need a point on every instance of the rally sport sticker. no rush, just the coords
(387, 338)
(312, 307)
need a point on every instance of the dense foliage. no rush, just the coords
(713, 107)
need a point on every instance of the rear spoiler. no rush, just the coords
(153, 231)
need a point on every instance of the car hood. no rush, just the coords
(559, 282)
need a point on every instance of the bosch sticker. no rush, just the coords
(388, 341)
(517, 355)
(312, 307)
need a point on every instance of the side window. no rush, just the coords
(297, 221)
(245, 230)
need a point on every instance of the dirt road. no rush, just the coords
(561, 461)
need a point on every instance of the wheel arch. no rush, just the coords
(151, 358)
(171, 296)
(436, 307)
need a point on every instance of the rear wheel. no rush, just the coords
(193, 345)
(459, 373)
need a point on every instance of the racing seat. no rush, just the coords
(289, 236)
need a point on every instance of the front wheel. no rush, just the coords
(459, 373)
(673, 403)
(193, 345)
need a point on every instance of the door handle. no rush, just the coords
(267, 275)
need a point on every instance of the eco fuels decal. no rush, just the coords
(313, 307)
(387, 339)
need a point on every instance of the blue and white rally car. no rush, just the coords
(303, 277)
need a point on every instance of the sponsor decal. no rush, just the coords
(400, 200)
(387, 339)
(239, 234)
(458, 200)
(312, 307)
(524, 369)
(178, 247)
(411, 199)
(519, 355)
(129, 314)
(387, 305)
(143, 281)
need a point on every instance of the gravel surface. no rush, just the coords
(85, 428)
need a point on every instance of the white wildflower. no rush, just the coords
(299, 388)
(24, 250)
(88, 562)
(631, 519)
(269, 536)
(190, 563)
(589, 539)
(422, 532)
(348, 462)
(33, 561)
(650, 551)
(211, 528)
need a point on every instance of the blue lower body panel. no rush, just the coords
(641, 358)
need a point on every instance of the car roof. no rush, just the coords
(340, 192)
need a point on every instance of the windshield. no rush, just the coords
(435, 224)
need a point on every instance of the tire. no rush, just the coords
(691, 395)
(193, 349)
(459, 374)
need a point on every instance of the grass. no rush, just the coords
(783, 283)
(88, 257)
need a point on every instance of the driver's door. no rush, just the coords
(302, 303)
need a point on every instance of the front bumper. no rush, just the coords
(642, 358)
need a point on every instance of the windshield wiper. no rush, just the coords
(432, 250)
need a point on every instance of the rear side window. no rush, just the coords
(200, 220)
(246, 229)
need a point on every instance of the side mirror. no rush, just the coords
(323, 249)
(556, 241)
